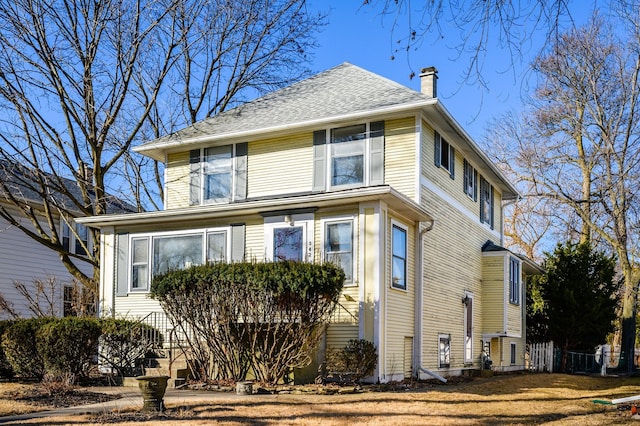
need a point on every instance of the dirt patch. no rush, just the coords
(33, 395)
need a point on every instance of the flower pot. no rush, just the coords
(152, 389)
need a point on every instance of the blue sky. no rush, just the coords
(361, 36)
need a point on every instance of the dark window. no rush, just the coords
(399, 258)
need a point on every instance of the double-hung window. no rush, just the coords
(399, 257)
(470, 181)
(217, 173)
(75, 242)
(514, 280)
(348, 155)
(486, 202)
(140, 264)
(444, 155)
(338, 246)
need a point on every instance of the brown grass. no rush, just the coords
(514, 399)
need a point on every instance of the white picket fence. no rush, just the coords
(541, 357)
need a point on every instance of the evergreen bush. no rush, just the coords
(20, 347)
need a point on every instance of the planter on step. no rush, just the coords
(152, 389)
(244, 388)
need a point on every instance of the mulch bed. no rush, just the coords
(60, 399)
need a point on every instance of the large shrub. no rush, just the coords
(124, 343)
(68, 346)
(357, 360)
(20, 347)
(6, 371)
(262, 316)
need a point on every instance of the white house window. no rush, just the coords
(162, 252)
(338, 247)
(140, 264)
(176, 252)
(444, 350)
(289, 237)
(216, 246)
(470, 181)
(348, 155)
(486, 202)
(217, 173)
(514, 280)
(75, 243)
(399, 257)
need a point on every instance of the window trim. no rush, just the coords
(71, 237)
(486, 190)
(324, 222)
(405, 229)
(443, 337)
(237, 183)
(468, 326)
(365, 154)
(513, 353)
(150, 236)
(439, 152)
(306, 220)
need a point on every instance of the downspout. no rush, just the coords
(417, 347)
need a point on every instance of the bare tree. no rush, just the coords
(82, 82)
(579, 145)
(509, 24)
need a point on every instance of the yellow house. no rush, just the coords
(351, 167)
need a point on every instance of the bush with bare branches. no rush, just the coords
(241, 317)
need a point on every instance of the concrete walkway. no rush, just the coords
(129, 398)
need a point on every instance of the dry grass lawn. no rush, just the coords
(526, 399)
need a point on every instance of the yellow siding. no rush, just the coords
(400, 155)
(254, 247)
(493, 294)
(277, 166)
(338, 335)
(400, 305)
(452, 265)
(514, 319)
(453, 187)
(177, 180)
(370, 262)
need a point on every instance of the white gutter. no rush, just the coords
(167, 142)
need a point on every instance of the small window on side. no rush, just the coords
(444, 350)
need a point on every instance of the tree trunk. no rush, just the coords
(628, 322)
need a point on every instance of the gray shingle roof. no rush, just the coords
(345, 89)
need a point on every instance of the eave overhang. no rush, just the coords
(394, 199)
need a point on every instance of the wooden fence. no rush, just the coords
(540, 357)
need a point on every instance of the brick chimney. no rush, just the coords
(429, 81)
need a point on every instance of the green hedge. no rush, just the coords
(20, 347)
(69, 345)
(6, 370)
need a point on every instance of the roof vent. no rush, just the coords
(429, 82)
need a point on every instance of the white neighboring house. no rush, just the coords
(24, 260)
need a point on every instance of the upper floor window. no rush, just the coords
(75, 242)
(444, 155)
(470, 181)
(338, 246)
(486, 202)
(399, 257)
(348, 156)
(514, 280)
(218, 174)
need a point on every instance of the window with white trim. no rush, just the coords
(289, 237)
(514, 280)
(348, 155)
(158, 253)
(338, 246)
(468, 328)
(398, 257)
(218, 174)
(444, 350)
(513, 353)
(75, 242)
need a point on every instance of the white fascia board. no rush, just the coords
(157, 150)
